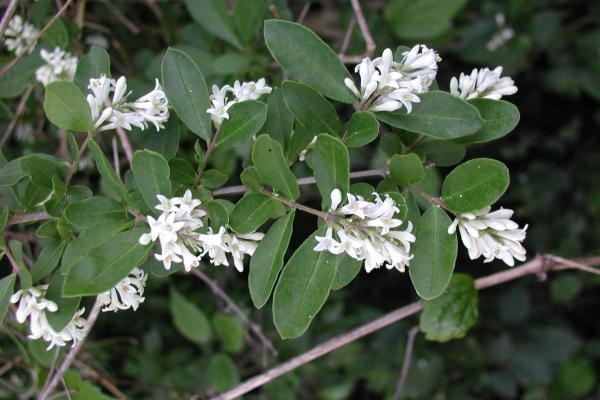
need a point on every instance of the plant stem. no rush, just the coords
(410, 344)
(292, 204)
(364, 28)
(8, 13)
(437, 201)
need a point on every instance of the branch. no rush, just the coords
(364, 28)
(53, 381)
(33, 217)
(126, 145)
(18, 112)
(347, 37)
(11, 64)
(10, 10)
(535, 266)
(410, 344)
(236, 309)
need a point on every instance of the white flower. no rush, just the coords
(177, 230)
(111, 112)
(504, 35)
(483, 83)
(126, 294)
(241, 91)
(34, 306)
(491, 235)
(19, 35)
(364, 232)
(59, 65)
(386, 85)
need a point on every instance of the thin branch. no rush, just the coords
(115, 153)
(133, 28)
(410, 344)
(347, 37)
(11, 64)
(303, 12)
(364, 28)
(216, 289)
(18, 112)
(22, 219)
(98, 377)
(8, 13)
(53, 381)
(125, 144)
(437, 201)
(530, 268)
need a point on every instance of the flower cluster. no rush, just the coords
(126, 294)
(34, 305)
(59, 65)
(179, 232)
(366, 231)
(19, 35)
(241, 92)
(491, 235)
(504, 35)
(483, 83)
(111, 112)
(386, 85)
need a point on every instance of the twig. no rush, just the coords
(347, 37)
(236, 309)
(364, 28)
(18, 112)
(115, 152)
(11, 64)
(410, 344)
(303, 12)
(8, 13)
(33, 217)
(96, 376)
(437, 201)
(126, 145)
(529, 268)
(53, 381)
(308, 180)
(351, 59)
(574, 264)
(133, 28)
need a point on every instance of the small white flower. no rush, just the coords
(241, 91)
(126, 294)
(491, 235)
(59, 65)
(483, 83)
(250, 90)
(19, 35)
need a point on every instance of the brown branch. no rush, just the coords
(22, 219)
(8, 13)
(11, 64)
(410, 344)
(303, 12)
(18, 112)
(347, 37)
(52, 382)
(216, 289)
(115, 153)
(126, 145)
(133, 28)
(364, 28)
(101, 379)
(532, 267)
(437, 201)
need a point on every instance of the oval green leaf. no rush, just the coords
(331, 167)
(251, 212)
(272, 167)
(151, 173)
(362, 129)
(189, 320)
(65, 106)
(245, 120)
(311, 109)
(406, 169)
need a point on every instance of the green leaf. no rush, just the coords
(213, 178)
(222, 373)
(270, 164)
(331, 167)
(7, 285)
(311, 109)
(151, 173)
(94, 211)
(251, 179)
(165, 141)
(500, 117)
(267, 260)
(303, 288)
(475, 185)
(298, 141)
(94, 63)
(41, 168)
(65, 106)
(106, 265)
(406, 169)
(187, 92)
(67, 306)
(348, 268)
(56, 35)
(452, 314)
(251, 212)
(16, 249)
(439, 115)
(248, 18)
(434, 254)
(362, 129)
(48, 259)
(212, 15)
(189, 320)
(306, 58)
(421, 19)
(442, 152)
(107, 172)
(280, 122)
(16, 80)
(11, 172)
(245, 120)
(230, 330)
(218, 214)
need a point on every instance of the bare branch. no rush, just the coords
(364, 28)
(18, 112)
(133, 28)
(347, 37)
(22, 219)
(8, 13)
(303, 12)
(126, 145)
(115, 153)
(410, 344)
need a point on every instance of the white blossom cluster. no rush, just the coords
(241, 92)
(491, 235)
(483, 83)
(126, 294)
(179, 230)
(504, 35)
(33, 306)
(111, 112)
(366, 231)
(59, 65)
(19, 35)
(386, 85)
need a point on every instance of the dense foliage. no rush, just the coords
(400, 164)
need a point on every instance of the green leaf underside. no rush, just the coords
(267, 260)
(434, 254)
